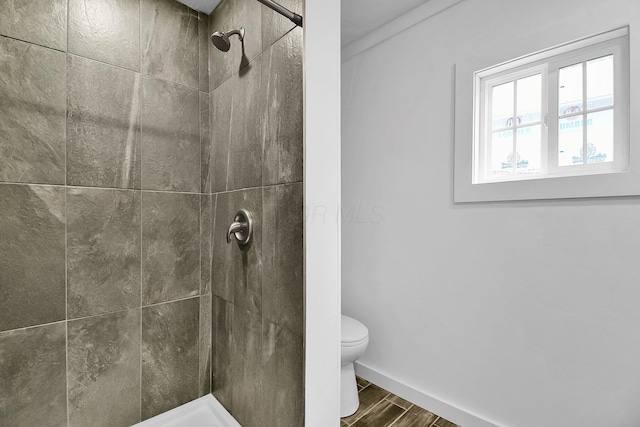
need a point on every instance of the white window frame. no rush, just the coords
(620, 179)
(547, 64)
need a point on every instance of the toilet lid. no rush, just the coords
(352, 330)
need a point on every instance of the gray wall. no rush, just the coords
(255, 162)
(103, 109)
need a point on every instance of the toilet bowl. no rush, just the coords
(354, 341)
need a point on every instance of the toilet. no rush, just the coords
(355, 338)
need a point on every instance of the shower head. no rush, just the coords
(221, 40)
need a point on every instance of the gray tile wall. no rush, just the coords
(33, 102)
(255, 162)
(122, 162)
(105, 211)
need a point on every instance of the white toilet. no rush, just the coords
(355, 338)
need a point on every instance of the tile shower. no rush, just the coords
(256, 163)
(122, 162)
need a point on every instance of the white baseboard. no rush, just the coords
(437, 406)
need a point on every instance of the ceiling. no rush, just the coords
(360, 17)
(205, 6)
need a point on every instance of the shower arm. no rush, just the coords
(293, 17)
(239, 33)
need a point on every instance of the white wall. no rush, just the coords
(321, 202)
(524, 313)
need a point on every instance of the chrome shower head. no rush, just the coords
(221, 40)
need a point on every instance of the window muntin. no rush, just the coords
(517, 137)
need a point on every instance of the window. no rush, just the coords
(557, 113)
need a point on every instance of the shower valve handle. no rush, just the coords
(241, 227)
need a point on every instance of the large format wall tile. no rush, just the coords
(257, 141)
(205, 143)
(247, 130)
(170, 137)
(32, 255)
(104, 370)
(103, 122)
(246, 368)
(236, 271)
(237, 129)
(231, 15)
(275, 25)
(32, 123)
(42, 22)
(169, 355)
(221, 350)
(204, 382)
(106, 30)
(221, 101)
(103, 258)
(170, 44)
(205, 243)
(33, 378)
(283, 252)
(283, 134)
(170, 246)
(203, 46)
(282, 397)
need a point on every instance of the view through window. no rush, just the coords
(555, 113)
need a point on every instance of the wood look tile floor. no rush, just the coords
(380, 408)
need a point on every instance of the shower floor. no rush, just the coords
(380, 408)
(203, 412)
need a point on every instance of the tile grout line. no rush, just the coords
(53, 49)
(212, 222)
(66, 52)
(84, 187)
(265, 115)
(24, 328)
(197, 382)
(405, 411)
(411, 405)
(367, 411)
(144, 190)
(107, 313)
(199, 260)
(140, 40)
(140, 124)
(262, 51)
(99, 61)
(66, 371)
(66, 218)
(140, 106)
(395, 421)
(226, 185)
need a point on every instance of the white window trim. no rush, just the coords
(624, 181)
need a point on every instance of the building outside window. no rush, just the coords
(561, 112)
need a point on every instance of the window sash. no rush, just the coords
(614, 47)
(486, 130)
(548, 65)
